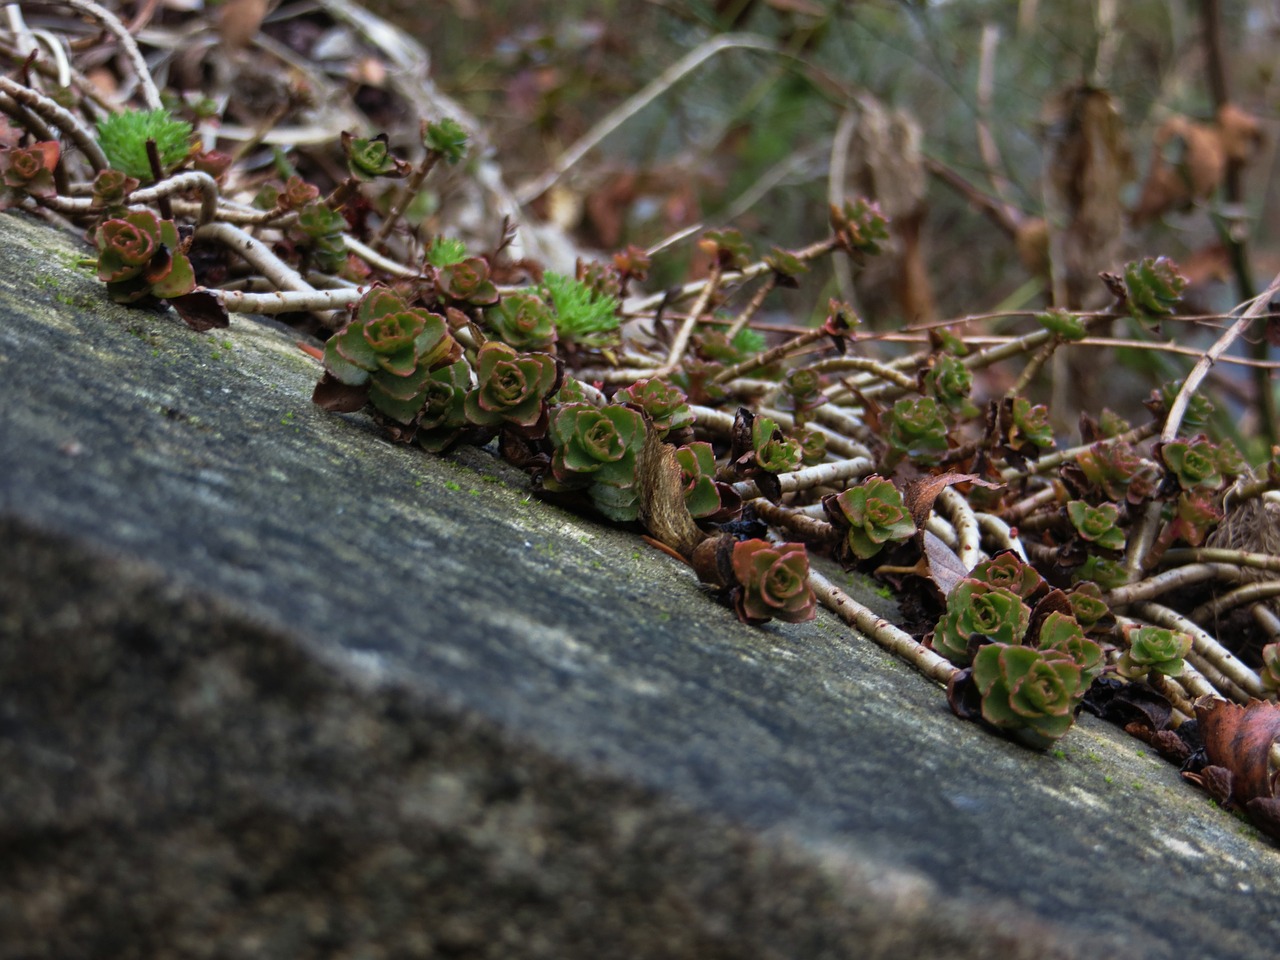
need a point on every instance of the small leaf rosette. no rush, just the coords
(29, 170)
(596, 449)
(977, 612)
(467, 282)
(914, 428)
(869, 516)
(139, 255)
(1060, 633)
(1152, 648)
(392, 349)
(522, 320)
(512, 389)
(665, 406)
(1032, 694)
(773, 582)
(697, 469)
(1097, 525)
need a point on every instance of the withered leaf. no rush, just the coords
(337, 397)
(201, 310)
(919, 495)
(661, 492)
(1239, 738)
(945, 568)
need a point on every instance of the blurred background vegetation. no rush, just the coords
(892, 99)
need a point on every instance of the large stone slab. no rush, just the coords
(273, 687)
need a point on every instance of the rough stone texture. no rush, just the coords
(272, 687)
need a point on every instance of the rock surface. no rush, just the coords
(273, 687)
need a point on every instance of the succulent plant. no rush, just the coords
(391, 349)
(512, 389)
(445, 138)
(522, 320)
(1197, 463)
(786, 266)
(111, 188)
(1106, 573)
(664, 405)
(1153, 286)
(1031, 694)
(1061, 633)
(727, 247)
(1098, 525)
(914, 428)
(443, 416)
(950, 382)
(1087, 605)
(583, 316)
(1063, 324)
(774, 452)
(596, 448)
(1195, 515)
(1008, 572)
(1152, 648)
(813, 445)
(976, 612)
(860, 227)
(29, 170)
(139, 255)
(698, 467)
(321, 232)
(1116, 471)
(1270, 670)
(868, 515)
(369, 157)
(123, 138)
(801, 393)
(445, 252)
(1025, 424)
(772, 582)
(467, 282)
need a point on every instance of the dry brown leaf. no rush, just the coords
(239, 20)
(1239, 739)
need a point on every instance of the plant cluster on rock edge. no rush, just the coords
(1043, 575)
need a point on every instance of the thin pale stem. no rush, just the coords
(884, 633)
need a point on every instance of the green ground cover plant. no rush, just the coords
(1046, 561)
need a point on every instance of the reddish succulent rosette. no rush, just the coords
(773, 582)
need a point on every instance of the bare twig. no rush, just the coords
(891, 638)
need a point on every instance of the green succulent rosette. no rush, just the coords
(1008, 572)
(666, 406)
(977, 610)
(774, 452)
(1097, 525)
(512, 388)
(1153, 648)
(393, 349)
(1195, 462)
(950, 382)
(870, 515)
(467, 282)
(697, 469)
(139, 255)
(1032, 694)
(443, 416)
(773, 582)
(915, 429)
(1087, 604)
(1060, 633)
(595, 444)
(522, 320)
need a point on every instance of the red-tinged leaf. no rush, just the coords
(201, 310)
(337, 397)
(920, 494)
(945, 568)
(1239, 738)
